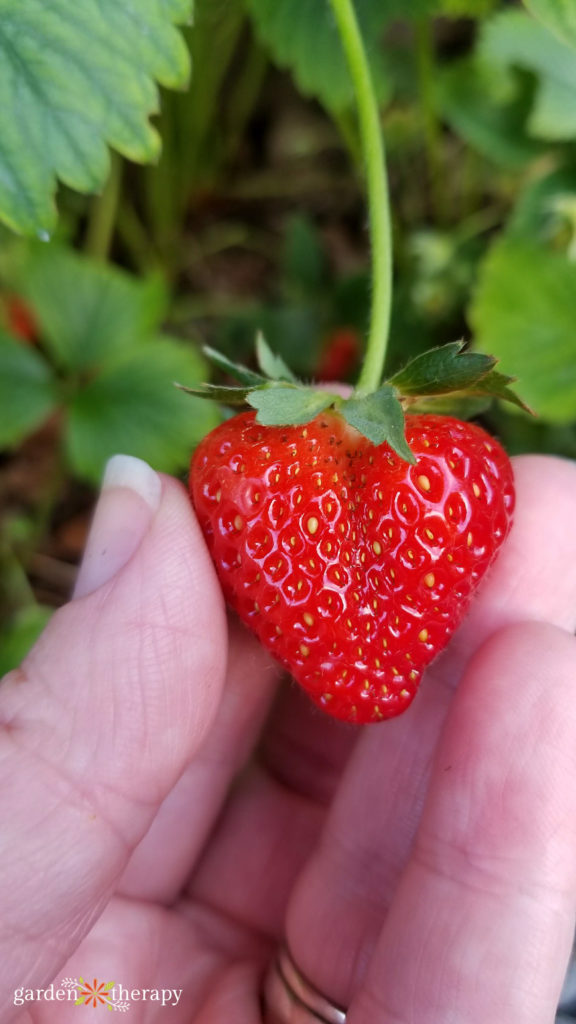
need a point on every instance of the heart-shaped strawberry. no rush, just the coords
(352, 566)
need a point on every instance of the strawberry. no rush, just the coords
(352, 565)
(20, 319)
(339, 354)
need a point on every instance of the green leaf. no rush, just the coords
(297, 329)
(19, 634)
(436, 8)
(379, 417)
(109, 985)
(304, 268)
(302, 36)
(488, 107)
(201, 140)
(272, 365)
(496, 385)
(513, 39)
(90, 313)
(524, 313)
(545, 211)
(392, 10)
(441, 370)
(134, 407)
(236, 370)
(28, 392)
(281, 405)
(464, 8)
(74, 77)
(217, 393)
(558, 15)
(464, 407)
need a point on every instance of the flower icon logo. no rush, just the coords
(95, 994)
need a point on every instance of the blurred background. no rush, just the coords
(253, 218)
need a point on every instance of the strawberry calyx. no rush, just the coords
(446, 379)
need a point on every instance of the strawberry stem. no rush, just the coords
(372, 144)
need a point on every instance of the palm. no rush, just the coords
(316, 837)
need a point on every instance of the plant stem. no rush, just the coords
(378, 199)
(247, 89)
(426, 67)
(102, 220)
(348, 128)
(134, 238)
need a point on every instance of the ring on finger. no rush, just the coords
(289, 998)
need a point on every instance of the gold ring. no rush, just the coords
(289, 998)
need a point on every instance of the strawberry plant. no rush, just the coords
(347, 537)
(151, 216)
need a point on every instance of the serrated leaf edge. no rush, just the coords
(256, 382)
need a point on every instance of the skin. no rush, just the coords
(170, 809)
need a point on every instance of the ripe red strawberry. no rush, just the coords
(352, 566)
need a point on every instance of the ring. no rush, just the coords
(289, 998)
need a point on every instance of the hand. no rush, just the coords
(162, 829)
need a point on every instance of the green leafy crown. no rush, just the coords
(449, 378)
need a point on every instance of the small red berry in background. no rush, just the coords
(340, 354)
(19, 318)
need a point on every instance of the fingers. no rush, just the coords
(304, 749)
(205, 970)
(273, 817)
(531, 578)
(104, 715)
(302, 752)
(481, 926)
(341, 900)
(162, 862)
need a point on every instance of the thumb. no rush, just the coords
(103, 716)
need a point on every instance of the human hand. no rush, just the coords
(421, 870)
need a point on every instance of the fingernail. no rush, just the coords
(129, 498)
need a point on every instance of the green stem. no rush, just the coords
(102, 222)
(244, 96)
(134, 238)
(15, 589)
(426, 66)
(378, 200)
(348, 128)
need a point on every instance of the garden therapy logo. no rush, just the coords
(95, 993)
